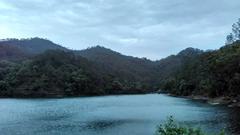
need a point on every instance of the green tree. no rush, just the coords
(171, 127)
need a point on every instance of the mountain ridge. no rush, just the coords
(38, 45)
(56, 71)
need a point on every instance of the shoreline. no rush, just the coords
(226, 101)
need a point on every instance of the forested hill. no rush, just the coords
(140, 69)
(8, 52)
(213, 73)
(100, 71)
(32, 45)
(171, 65)
(27, 71)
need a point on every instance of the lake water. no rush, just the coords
(110, 115)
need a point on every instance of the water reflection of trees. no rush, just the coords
(234, 120)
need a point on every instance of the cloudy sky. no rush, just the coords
(143, 28)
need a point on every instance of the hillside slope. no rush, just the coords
(214, 73)
(171, 65)
(118, 64)
(8, 52)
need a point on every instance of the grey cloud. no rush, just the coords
(143, 28)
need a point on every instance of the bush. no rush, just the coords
(171, 127)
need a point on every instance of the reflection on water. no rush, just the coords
(103, 124)
(234, 120)
(110, 115)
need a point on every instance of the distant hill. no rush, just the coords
(131, 67)
(190, 52)
(47, 69)
(32, 45)
(174, 63)
(8, 52)
(109, 59)
(213, 73)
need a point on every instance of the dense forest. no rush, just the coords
(37, 67)
(55, 71)
(213, 73)
(59, 73)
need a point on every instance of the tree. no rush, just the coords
(171, 127)
(229, 39)
(236, 30)
(235, 35)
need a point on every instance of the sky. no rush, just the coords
(142, 28)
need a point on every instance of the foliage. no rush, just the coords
(31, 46)
(171, 127)
(50, 74)
(57, 73)
(213, 74)
(235, 35)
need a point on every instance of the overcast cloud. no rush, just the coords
(143, 28)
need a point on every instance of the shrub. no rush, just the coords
(171, 127)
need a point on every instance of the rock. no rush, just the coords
(219, 100)
(234, 101)
(236, 104)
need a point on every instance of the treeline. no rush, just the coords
(213, 73)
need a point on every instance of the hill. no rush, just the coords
(129, 67)
(11, 53)
(32, 45)
(52, 74)
(45, 69)
(173, 64)
(213, 74)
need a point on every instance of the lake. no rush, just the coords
(110, 115)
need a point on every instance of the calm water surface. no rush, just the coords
(109, 115)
